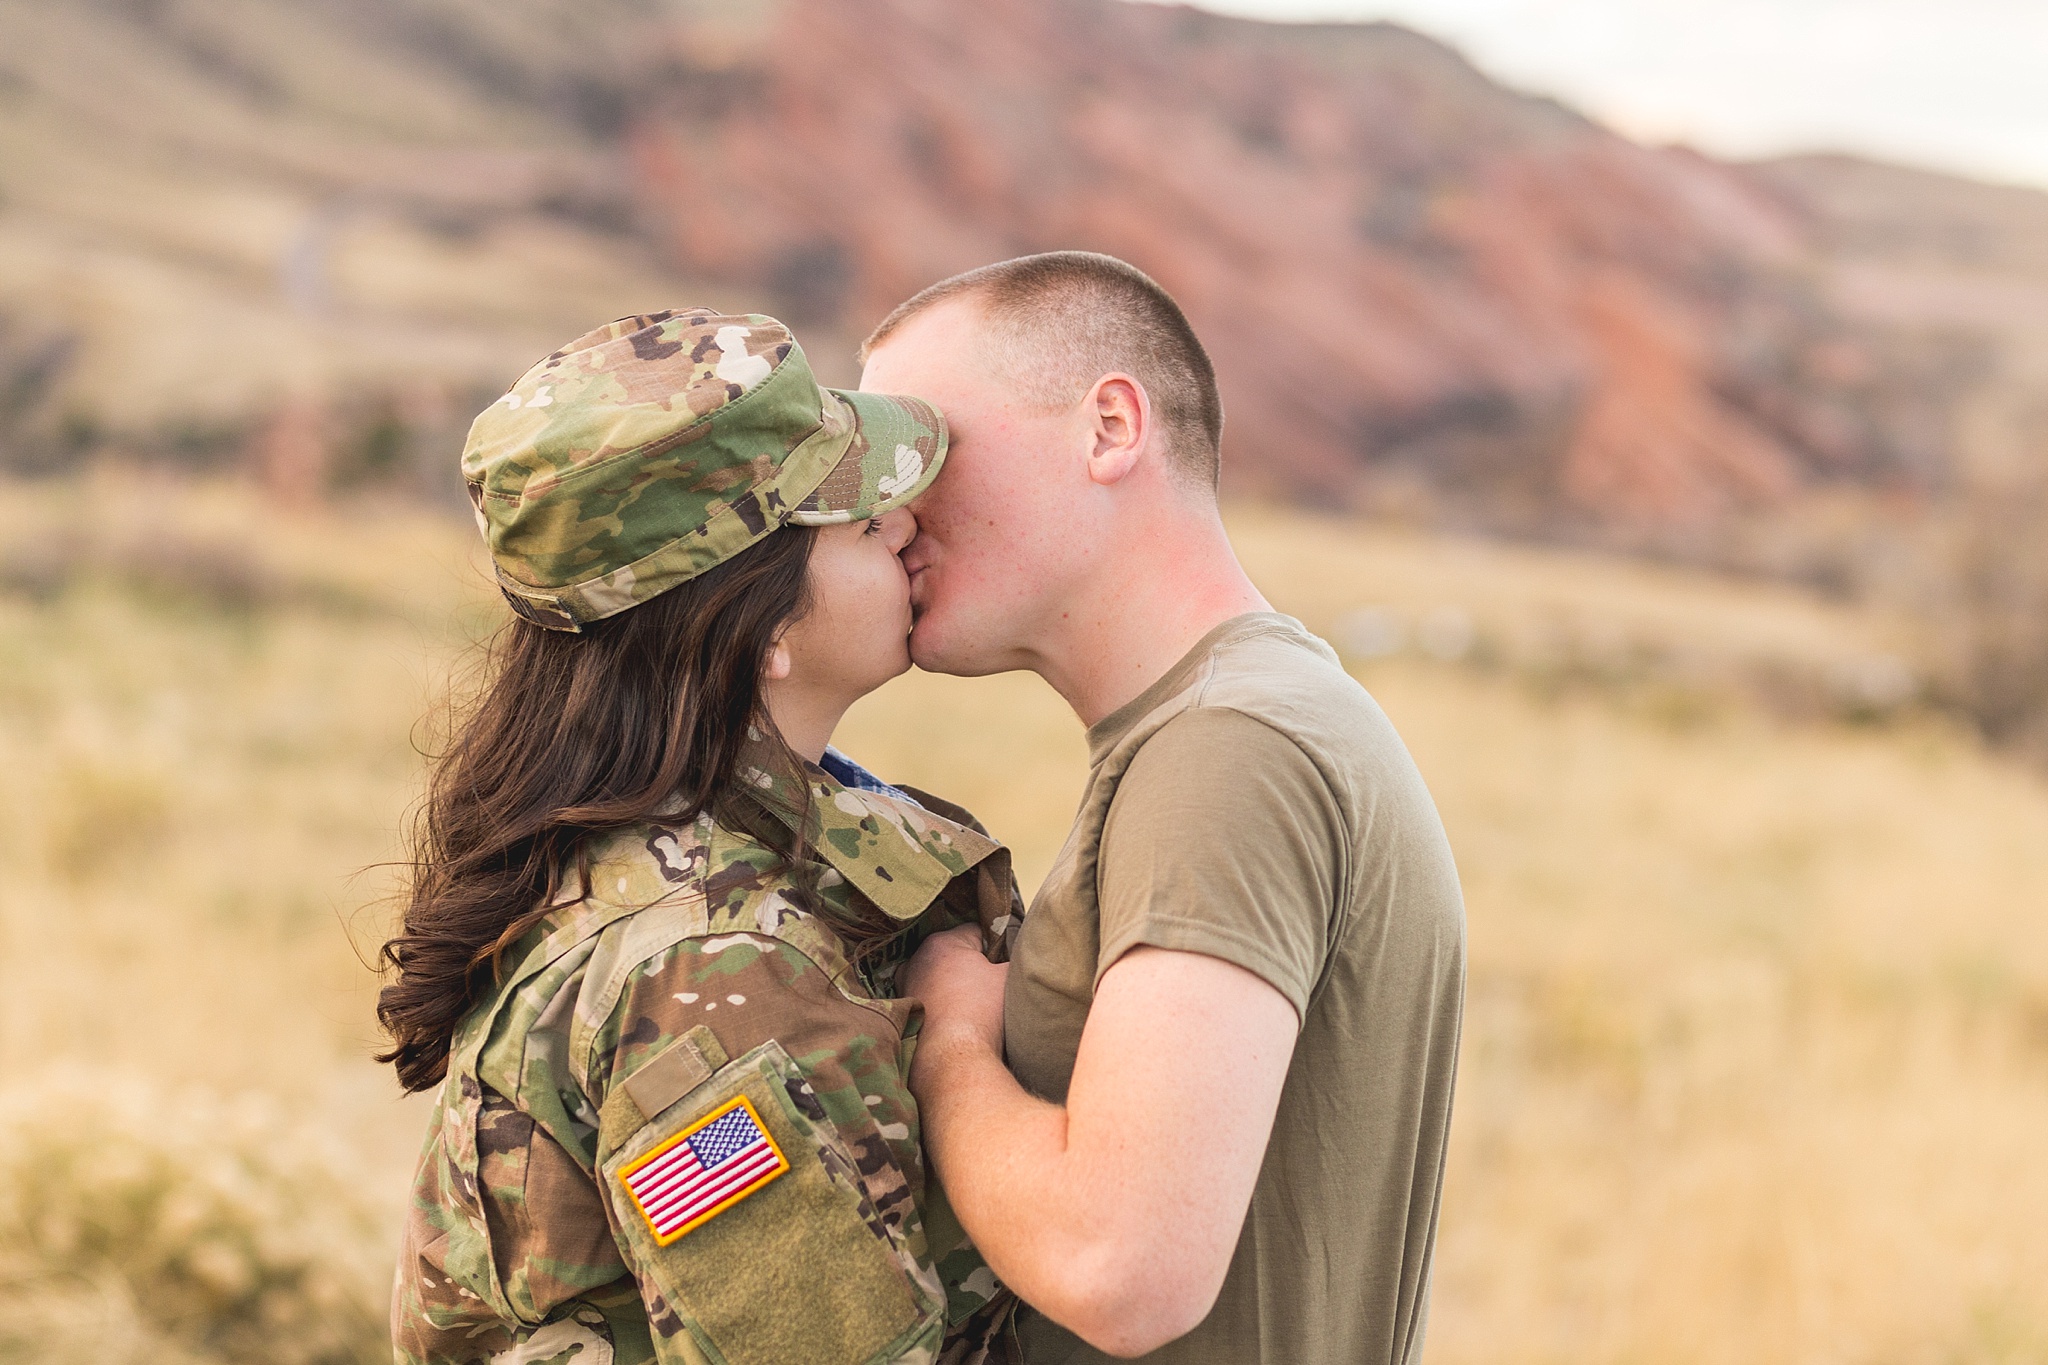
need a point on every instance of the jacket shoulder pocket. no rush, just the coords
(740, 1204)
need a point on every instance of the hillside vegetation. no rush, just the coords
(306, 234)
(215, 212)
(1756, 1060)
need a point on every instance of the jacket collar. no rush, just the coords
(894, 851)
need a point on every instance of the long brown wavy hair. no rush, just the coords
(643, 714)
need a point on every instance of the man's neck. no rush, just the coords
(1145, 608)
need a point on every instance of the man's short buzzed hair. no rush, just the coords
(1061, 320)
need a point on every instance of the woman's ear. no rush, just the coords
(778, 661)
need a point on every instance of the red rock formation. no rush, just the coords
(1411, 279)
(1421, 290)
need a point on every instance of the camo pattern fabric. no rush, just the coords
(650, 449)
(686, 971)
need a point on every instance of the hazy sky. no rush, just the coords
(1961, 84)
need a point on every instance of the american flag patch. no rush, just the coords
(703, 1170)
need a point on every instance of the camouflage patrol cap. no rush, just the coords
(646, 451)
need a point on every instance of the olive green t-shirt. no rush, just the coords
(1256, 805)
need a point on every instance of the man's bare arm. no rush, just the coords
(1116, 1214)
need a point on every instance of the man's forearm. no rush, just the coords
(1029, 1202)
(989, 1140)
(1115, 1215)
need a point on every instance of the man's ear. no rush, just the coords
(1122, 415)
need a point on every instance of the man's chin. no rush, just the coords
(928, 646)
(923, 645)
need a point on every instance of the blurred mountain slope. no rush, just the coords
(1425, 293)
(211, 209)
(1421, 289)
(1907, 250)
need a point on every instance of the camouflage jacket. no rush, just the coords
(681, 986)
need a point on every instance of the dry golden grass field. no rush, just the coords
(1756, 1058)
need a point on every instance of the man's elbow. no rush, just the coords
(1125, 1307)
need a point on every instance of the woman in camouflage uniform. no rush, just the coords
(654, 920)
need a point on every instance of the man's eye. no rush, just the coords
(874, 527)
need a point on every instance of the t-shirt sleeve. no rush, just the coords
(1223, 839)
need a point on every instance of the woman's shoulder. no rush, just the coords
(654, 885)
(667, 920)
(659, 899)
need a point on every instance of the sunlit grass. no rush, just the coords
(1756, 1060)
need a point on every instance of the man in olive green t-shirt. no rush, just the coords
(1231, 1019)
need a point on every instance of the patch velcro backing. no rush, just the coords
(808, 1271)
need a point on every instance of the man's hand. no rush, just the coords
(962, 992)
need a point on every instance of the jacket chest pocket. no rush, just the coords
(741, 1205)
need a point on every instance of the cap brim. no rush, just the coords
(898, 445)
